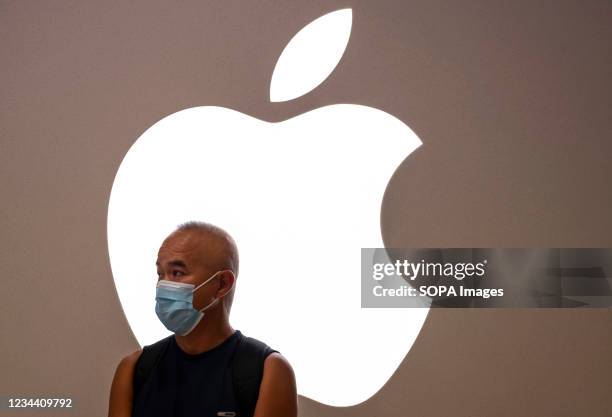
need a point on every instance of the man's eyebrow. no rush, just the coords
(176, 262)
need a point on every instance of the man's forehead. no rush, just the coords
(183, 248)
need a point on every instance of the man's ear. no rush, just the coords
(228, 295)
(228, 281)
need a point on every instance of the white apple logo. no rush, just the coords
(301, 197)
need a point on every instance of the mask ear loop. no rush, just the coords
(216, 298)
(214, 275)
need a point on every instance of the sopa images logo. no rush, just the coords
(300, 196)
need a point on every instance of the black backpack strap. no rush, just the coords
(247, 372)
(146, 362)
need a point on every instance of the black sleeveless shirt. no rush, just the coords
(185, 385)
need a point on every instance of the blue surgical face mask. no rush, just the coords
(174, 305)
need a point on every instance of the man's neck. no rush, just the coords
(206, 335)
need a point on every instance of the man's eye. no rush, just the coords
(177, 272)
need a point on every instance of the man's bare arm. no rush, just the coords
(120, 401)
(278, 392)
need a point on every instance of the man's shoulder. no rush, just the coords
(128, 362)
(278, 392)
(275, 362)
(121, 388)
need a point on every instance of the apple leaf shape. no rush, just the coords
(311, 55)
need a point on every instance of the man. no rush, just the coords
(197, 266)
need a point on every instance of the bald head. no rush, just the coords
(215, 247)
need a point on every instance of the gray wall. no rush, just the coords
(512, 102)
